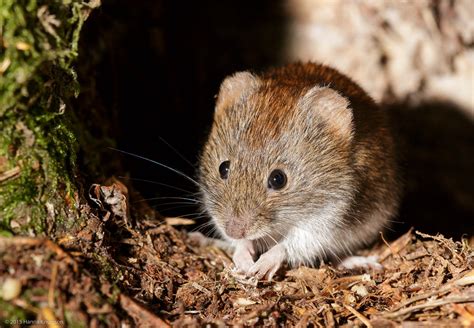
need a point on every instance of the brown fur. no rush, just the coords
(329, 137)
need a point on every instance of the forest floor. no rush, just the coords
(119, 271)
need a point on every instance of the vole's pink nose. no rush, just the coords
(236, 228)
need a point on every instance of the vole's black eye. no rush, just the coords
(224, 169)
(277, 179)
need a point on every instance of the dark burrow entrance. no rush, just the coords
(149, 71)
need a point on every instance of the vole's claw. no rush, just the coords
(265, 267)
(268, 263)
(243, 256)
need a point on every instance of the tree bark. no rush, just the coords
(38, 48)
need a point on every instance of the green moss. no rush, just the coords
(32, 293)
(108, 270)
(114, 298)
(72, 321)
(10, 312)
(38, 46)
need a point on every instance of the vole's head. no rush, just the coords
(278, 153)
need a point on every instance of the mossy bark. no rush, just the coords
(38, 47)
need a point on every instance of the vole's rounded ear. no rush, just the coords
(234, 88)
(328, 105)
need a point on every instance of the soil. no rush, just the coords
(130, 267)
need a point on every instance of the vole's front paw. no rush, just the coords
(243, 256)
(268, 263)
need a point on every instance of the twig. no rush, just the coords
(359, 316)
(140, 314)
(295, 297)
(10, 174)
(48, 314)
(386, 242)
(26, 306)
(201, 289)
(442, 240)
(467, 279)
(60, 252)
(396, 246)
(469, 297)
(7, 242)
(329, 317)
(350, 279)
(467, 318)
(172, 221)
(52, 284)
(255, 313)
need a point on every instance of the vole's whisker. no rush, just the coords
(211, 233)
(175, 203)
(192, 216)
(273, 239)
(264, 240)
(192, 200)
(181, 205)
(215, 233)
(281, 234)
(157, 183)
(203, 226)
(159, 164)
(175, 151)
